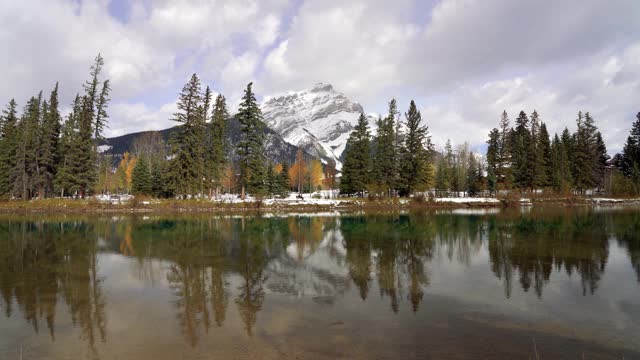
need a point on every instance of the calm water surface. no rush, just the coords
(543, 283)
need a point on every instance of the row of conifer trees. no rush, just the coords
(40, 156)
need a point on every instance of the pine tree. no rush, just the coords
(415, 158)
(585, 153)
(48, 147)
(271, 181)
(535, 155)
(186, 146)
(357, 165)
(522, 169)
(141, 180)
(8, 147)
(384, 155)
(24, 172)
(251, 145)
(442, 178)
(284, 184)
(90, 121)
(66, 181)
(602, 162)
(217, 147)
(504, 171)
(493, 159)
(543, 156)
(631, 149)
(473, 186)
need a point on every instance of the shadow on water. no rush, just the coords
(211, 262)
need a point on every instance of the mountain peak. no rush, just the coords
(317, 119)
(322, 87)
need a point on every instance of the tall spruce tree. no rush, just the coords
(141, 180)
(602, 162)
(251, 145)
(385, 155)
(585, 159)
(26, 157)
(544, 156)
(8, 147)
(186, 146)
(493, 159)
(631, 149)
(218, 145)
(48, 147)
(561, 179)
(356, 171)
(415, 157)
(504, 170)
(536, 153)
(66, 181)
(522, 169)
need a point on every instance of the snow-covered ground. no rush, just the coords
(467, 200)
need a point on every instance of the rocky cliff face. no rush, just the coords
(319, 120)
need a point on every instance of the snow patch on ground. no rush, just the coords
(467, 200)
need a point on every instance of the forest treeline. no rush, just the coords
(43, 156)
(400, 160)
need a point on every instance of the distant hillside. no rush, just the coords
(276, 149)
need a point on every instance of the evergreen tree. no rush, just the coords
(415, 156)
(48, 147)
(251, 145)
(442, 178)
(602, 162)
(522, 169)
(25, 168)
(473, 174)
(186, 146)
(504, 171)
(535, 154)
(585, 159)
(385, 155)
(357, 165)
(8, 147)
(493, 159)
(283, 180)
(90, 121)
(544, 156)
(217, 147)
(66, 181)
(631, 149)
(271, 180)
(141, 180)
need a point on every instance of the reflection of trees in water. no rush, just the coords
(535, 244)
(401, 244)
(203, 253)
(626, 227)
(42, 262)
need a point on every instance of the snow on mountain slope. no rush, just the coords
(319, 120)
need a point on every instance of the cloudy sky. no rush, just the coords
(463, 61)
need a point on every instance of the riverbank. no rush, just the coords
(145, 205)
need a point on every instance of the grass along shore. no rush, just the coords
(308, 204)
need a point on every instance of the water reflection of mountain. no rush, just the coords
(213, 264)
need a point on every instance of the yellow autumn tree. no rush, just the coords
(229, 178)
(125, 170)
(298, 171)
(315, 174)
(277, 168)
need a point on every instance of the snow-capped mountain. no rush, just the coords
(318, 120)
